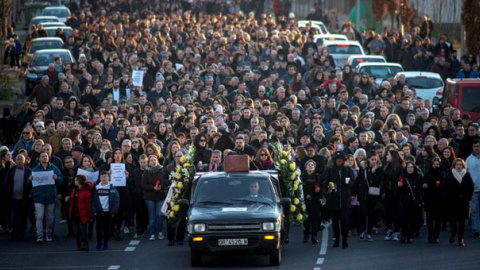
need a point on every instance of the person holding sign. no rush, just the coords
(119, 172)
(87, 168)
(154, 193)
(45, 176)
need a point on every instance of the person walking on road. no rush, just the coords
(80, 210)
(337, 192)
(105, 204)
(44, 197)
(459, 185)
(311, 191)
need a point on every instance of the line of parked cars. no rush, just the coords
(463, 94)
(43, 50)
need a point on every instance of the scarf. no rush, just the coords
(103, 152)
(89, 169)
(153, 170)
(459, 175)
(266, 163)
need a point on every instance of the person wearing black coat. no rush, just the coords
(467, 142)
(311, 183)
(391, 174)
(19, 201)
(202, 152)
(336, 189)
(434, 198)
(367, 184)
(459, 187)
(140, 210)
(410, 201)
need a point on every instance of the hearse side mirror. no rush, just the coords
(285, 202)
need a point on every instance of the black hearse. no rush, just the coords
(236, 212)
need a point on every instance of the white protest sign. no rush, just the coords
(42, 178)
(91, 176)
(137, 77)
(117, 176)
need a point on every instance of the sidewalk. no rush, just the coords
(18, 92)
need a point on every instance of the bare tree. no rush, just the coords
(5, 10)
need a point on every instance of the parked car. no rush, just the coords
(48, 42)
(429, 85)
(381, 71)
(51, 31)
(39, 63)
(53, 24)
(43, 19)
(354, 60)
(341, 50)
(35, 7)
(61, 12)
(463, 94)
(40, 44)
(319, 26)
(319, 39)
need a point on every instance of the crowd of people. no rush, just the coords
(225, 76)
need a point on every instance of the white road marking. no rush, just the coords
(134, 242)
(323, 249)
(42, 253)
(57, 267)
(114, 267)
(130, 249)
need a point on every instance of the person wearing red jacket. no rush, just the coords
(81, 210)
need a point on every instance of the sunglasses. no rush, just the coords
(202, 140)
(26, 133)
(34, 106)
(263, 155)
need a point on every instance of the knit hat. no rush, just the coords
(7, 112)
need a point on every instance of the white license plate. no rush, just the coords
(233, 242)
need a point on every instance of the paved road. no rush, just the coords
(144, 254)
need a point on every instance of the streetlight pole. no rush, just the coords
(357, 22)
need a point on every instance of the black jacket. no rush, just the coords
(409, 194)
(459, 195)
(136, 180)
(309, 182)
(435, 194)
(390, 179)
(9, 183)
(341, 196)
(367, 178)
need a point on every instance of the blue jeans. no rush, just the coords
(155, 216)
(475, 209)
